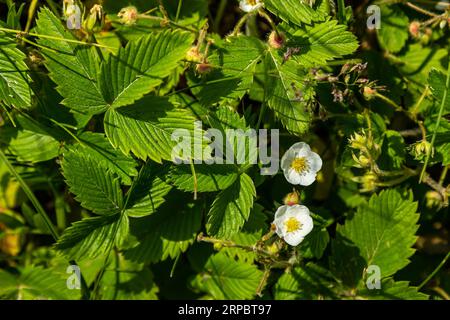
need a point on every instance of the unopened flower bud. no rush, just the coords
(362, 160)
(414, 29)
(203, 68)
(128, 15)
(276, 40)
(193, 55)
(217, 246)
(369, 182)
(443, 24)
(292, 198)
(273, 248)
(95, 19)
(358, 141)
(369, 93)
(421, 149)
(433, 199)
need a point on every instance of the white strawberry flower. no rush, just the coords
(293, 223)
(250, 5)
(300, 165)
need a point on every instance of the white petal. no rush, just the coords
(287, 159)
(297, 209)
(281, 211)
(307, 224)
(247, 7)
(293, 177)
(279, 224)
(307, 178)
(293, 238)
(301, 149)
(314, 161)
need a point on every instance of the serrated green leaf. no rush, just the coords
(231, 208)
(94, 186)
(125, 280)
(304, 283)
(251, 232)
(437, 81)
(14, 79)
(210, 178)
(394, 290)
(321, 42)
(142, 65)
(145, 128)
(73, 67)
(294, 11)
(166, 233)
(394, 28)
(225, 278)
(93, 237)
(98, 148)
(384, 231)
(283, 92)
(234, 65)
(148, 192)
(392, 151)
(35, 283)
(30, 143)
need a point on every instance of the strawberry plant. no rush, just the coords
(253, 149)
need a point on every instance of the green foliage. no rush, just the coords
(383, 231)
(111, 141)
(14, 79)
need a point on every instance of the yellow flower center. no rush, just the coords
(292, 224)
(252, 2)
(299, 164)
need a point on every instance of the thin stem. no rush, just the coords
(22, 33)
(421, 10)
(231, 244)
(434, 271)
(341, 11)
(263, 281)
(31, 11)
(438, 122)
(389, 101)
(443, 175)
(180, 4)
